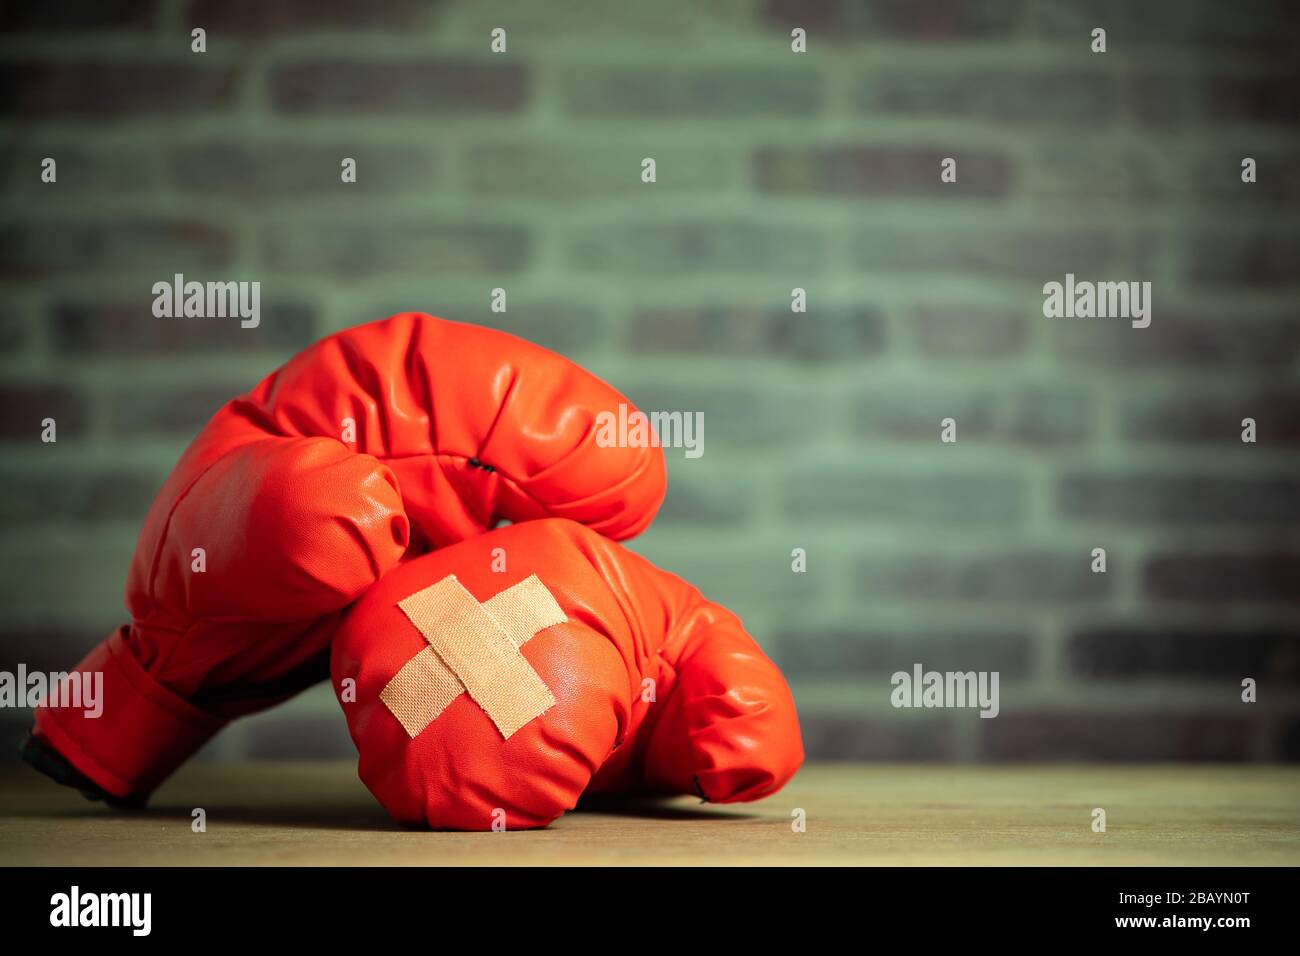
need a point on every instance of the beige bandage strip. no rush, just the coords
(524, 609)
(473, 648)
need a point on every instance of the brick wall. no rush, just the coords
(776, 170)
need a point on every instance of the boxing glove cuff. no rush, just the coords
(133, 708)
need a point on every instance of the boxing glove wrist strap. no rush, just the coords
(141, 734)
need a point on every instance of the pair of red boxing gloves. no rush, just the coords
(338, 521)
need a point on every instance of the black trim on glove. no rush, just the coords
(50, 762)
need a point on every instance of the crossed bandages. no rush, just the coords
(473, 648)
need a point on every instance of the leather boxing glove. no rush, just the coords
(496, 681)
(383, 441)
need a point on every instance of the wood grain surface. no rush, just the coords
(319, 814)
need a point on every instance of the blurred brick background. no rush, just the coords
(775, 170)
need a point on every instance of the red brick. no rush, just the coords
(961, 332)
(175, 412)
(69, 15)
(702, 247)
(44, 647)
(838, 495)
(1180, 416)
(1035, 254)
(881, 171)
(1179, 338)
(131, 330)
(158, 248)
(1267, 98)
(104, 89)
(24, 405)
(834, 20)
(295, 17)
(1183, 498)
(824, 333)
(430, 246)
(1262, 257)
(1087, 736)
(1267, 577)
(1019, 577)
(267, 171)
(36, 496)
(1024, 96)
(724, 93)
(416, 86)
(1260, 25)
(828, 737)
(864, 649)
(1024, 415)
(1223, 653)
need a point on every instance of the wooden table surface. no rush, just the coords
(318, 813)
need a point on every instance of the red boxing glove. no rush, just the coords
(494, 682)
(381, 441)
